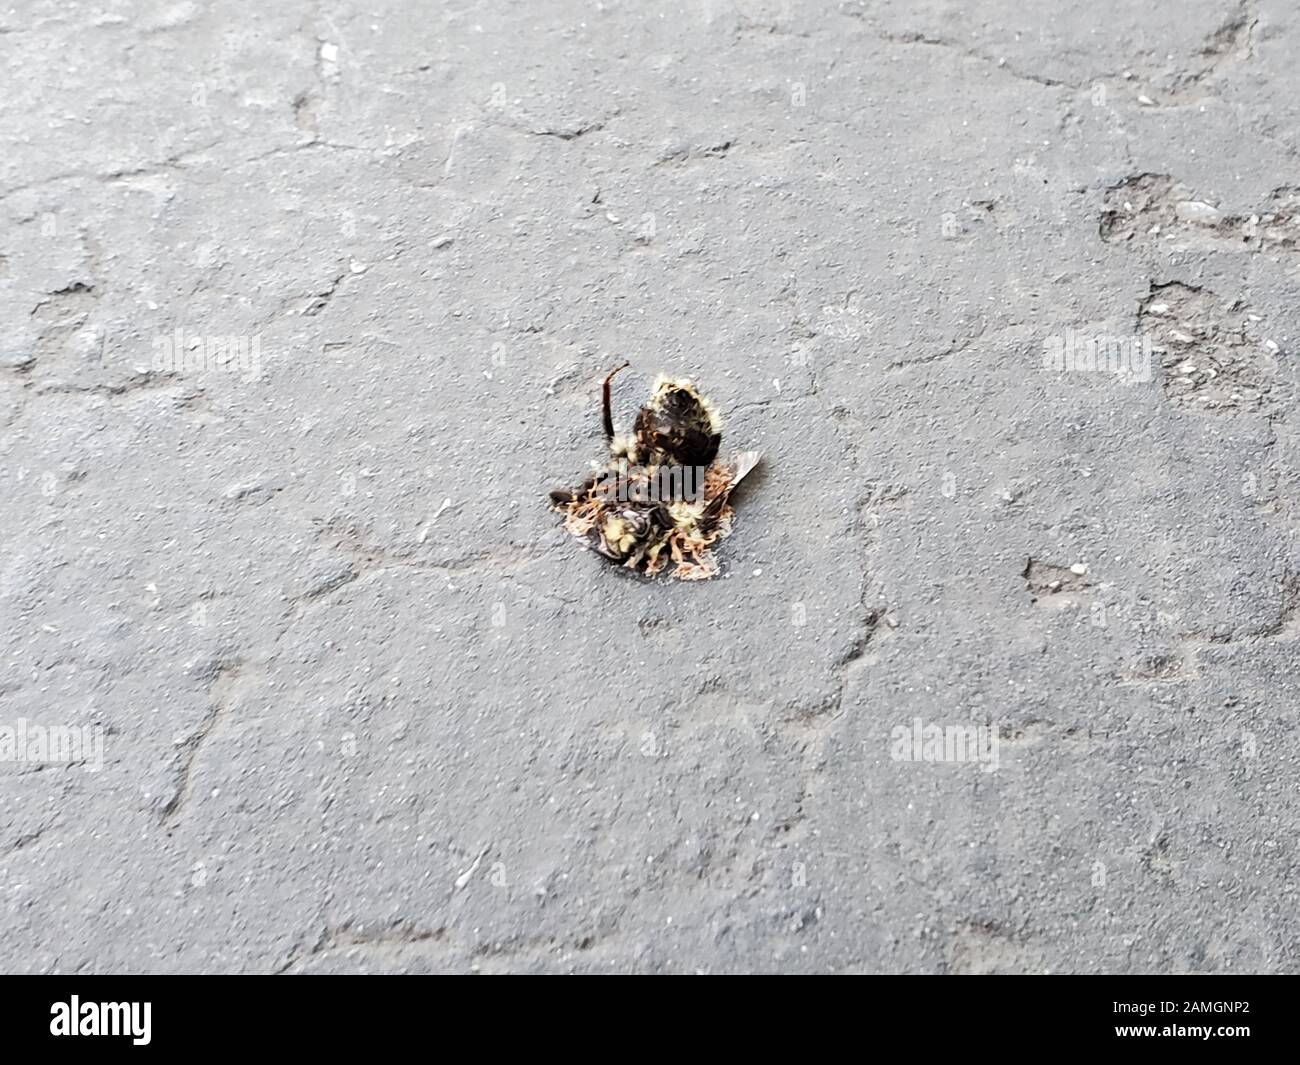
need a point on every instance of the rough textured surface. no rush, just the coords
(364, 706)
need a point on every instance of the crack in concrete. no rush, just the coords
(368, 560)
(403, 934)
(1231, 43)
(925, 40)
(568, 133)
(683, 153)
(29, 839)
(811, 728)
(231, 677)
(172, 162)
(318, 301)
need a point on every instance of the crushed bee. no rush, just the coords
(662, 496)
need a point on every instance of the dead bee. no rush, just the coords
(662, 495)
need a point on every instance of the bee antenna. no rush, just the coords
(609, 418)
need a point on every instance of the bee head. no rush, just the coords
(615, 536)
(620, 533)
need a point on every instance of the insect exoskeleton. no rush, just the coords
(661, 495)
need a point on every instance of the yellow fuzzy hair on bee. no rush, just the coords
(664, 387)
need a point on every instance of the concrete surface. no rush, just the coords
(364, 706)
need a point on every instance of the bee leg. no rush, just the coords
(609, 418)
(662, 518)
(561, 496)
(675, 549)
(654, 557)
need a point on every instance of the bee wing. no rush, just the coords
(741, 467)
(744, 465)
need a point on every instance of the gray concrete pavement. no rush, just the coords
(305, 307)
